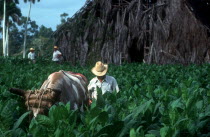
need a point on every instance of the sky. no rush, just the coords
(47, 12)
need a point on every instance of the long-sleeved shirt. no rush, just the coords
(31, 55)
(109, 84)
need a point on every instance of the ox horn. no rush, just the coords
(17, 91)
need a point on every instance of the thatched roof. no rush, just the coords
(164, 31)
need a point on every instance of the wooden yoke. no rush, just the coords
(39, 101)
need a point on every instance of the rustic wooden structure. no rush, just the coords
(151, 31)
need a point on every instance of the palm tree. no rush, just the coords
(25, 35)
(10, 10)
(15, 13)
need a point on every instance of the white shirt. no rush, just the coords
(31, 55)
(56, 55)
(109, 84)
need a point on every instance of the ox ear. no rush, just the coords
(17, 91)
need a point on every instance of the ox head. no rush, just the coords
(38, 101)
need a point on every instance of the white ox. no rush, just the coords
(62, 86)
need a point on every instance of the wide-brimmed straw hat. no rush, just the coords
(55, 47)
(100, 69)
(31, 49)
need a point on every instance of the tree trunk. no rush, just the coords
(7, 39)
(4, 28)
(25, 35)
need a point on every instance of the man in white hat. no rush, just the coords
(56, 55)
(104, 82)
(31, 55)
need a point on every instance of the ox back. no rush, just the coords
(73, 87)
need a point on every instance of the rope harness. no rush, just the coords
(39, 97)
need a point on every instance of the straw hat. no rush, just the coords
(31, 49)
(100, 69)
(55, 47)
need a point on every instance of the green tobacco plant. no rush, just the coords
(154, 101)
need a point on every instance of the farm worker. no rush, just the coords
(104, 82)
(31, 55)
(56, 55)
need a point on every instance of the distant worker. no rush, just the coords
(104, 82)
(56, 55)
(31, 55)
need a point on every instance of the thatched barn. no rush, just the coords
(153, 31)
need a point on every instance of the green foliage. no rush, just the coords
(154, 101)
(37, 37)
(64, 18)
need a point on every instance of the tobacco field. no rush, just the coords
(154, 101)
